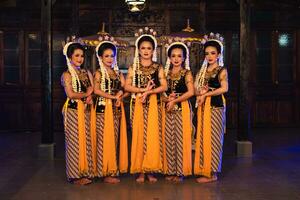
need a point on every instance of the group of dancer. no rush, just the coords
(160, 113)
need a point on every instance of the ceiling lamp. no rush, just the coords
(135, 5)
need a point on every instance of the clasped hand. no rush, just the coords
(119, 97)
(170, 105)
(149, 87)
(201, 98)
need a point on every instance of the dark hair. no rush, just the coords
(146, 39)
(106, 46)
(213, 44)
(177, 46)
(72, 48)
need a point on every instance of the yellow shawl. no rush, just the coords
(83, 164)
(204, 130)
(151, 161)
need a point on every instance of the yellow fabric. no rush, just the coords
(83, 164)
(65, 107)
(123, 152)
(224, 100)
(137, 154)
(93, 138)
(187, 139)
(163, 135)
(109, 151)
(152, 160)
(224, 103)
(64, 111)
(204, 129)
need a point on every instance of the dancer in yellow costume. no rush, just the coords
(211, 83)
(146, 80)
(77, 83)
(177, 122)
(109, 115)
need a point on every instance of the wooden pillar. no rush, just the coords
(244, 146)
(167, 18)
(74, 29)
(297, 76)
(110, 21)
(46, 148)
(202, 16)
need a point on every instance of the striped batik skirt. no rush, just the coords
(72, 145)
(99, 134)
(173, 143)
(145, 112)
(218, 122)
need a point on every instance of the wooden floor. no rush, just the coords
(272, 173)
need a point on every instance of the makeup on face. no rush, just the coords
(211, 55)
(77, 58)
(108, 57)
(146, 50)
(176, 57)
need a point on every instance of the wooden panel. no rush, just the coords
(12, 116)
(231, 112)
(32, 115)
(59, 99)
(271, 104)
(284, 113)
(32, 108)
(263, 112)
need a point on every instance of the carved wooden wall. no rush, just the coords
(275, 74)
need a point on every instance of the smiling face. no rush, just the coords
(77, 57)
(108, 57)
(146, 50)
(176, 57)
(211, 55)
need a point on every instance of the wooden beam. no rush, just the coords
(74, 29)
(202, 16)
(46, 65)
(245, 55)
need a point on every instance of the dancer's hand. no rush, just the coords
(203, 90)
(144, 96)
(201, 100)
(165, 99)
(89, 91)
(89, 100)
(170, 106)
(150, 85)
(118, 103)
(119, 95)
(172, 96)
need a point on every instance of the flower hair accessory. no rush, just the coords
(142, 33)
(200, 78)
(75, 79)
(149, 32)
(110, 40)
(220, 40)
(104, 74)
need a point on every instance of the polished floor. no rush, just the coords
(272, 173)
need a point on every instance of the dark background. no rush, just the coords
(275, 51)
